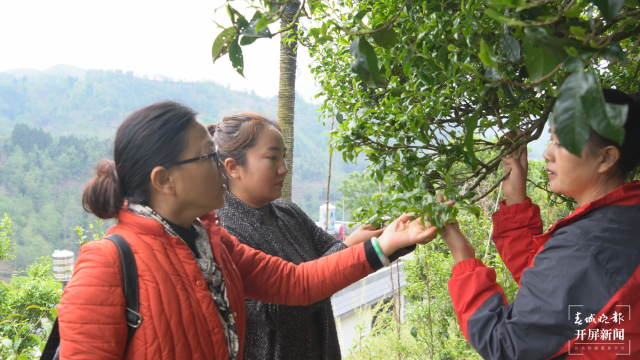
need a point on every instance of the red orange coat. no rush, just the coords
(180, 320)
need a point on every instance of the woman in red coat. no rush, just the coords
(163, 185)
(579, 283)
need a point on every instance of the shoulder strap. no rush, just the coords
(130, 283)
(51, 349)
(131, 293)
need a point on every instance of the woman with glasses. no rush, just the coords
(162, 187)
(253, 152)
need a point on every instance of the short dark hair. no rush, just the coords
(153, 136)
(630, 148)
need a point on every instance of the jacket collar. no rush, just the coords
(627, 194)
(140, 224)
(146, 226)
(143, 225)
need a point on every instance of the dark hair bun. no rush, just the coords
(102, 196)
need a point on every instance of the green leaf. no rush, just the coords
(235, 55)
(511, 47)
(543, 37)
(538, 61)
(577, 30)
(407, 69)
(486, 55)
(37, 339)
(361, 14)
(366, 63)
(508, 93)
(442, 57)
(315, 5)
(470, 123)
(606, 119)
(494, 14)
(570, 121)
(324, 39)
(19, 333)
(237, 19)
(315, 32)
(339, 118)
(573, 12)
(524, 5)
(414, 331)
(374, 220)
(614, 53)
(246, 40)
(469, 69)
(222, 42)
(386, 38)
(262, 24)
(608, 8)
(580, 107)
(426, 77)
(251, 30)
(471, 209)
(451, 47)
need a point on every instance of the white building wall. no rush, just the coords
(357, 326)
(352, 306)
(353, 327)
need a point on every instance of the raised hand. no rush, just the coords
(461, 249)
(402, 233)
(362, 234)
(515, 186)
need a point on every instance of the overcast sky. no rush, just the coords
(169, 38)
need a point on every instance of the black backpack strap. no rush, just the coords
(130, 283)
(131, 293)
(50, 351)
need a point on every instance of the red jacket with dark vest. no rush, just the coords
(579, 284)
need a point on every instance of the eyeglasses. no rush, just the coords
(213, 155)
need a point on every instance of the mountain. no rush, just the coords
(60, 70)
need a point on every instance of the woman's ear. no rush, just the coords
(609, 158)
(233, 169)
(161, 180)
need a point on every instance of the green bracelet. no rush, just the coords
(376, 246)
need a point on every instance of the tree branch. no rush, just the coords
(626, 34)
(387, 24)
(628, 86)
(294, 21)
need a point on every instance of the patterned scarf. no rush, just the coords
(210, 270)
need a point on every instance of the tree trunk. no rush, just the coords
(287, 91)
(326, 224)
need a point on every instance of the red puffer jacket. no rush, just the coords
(179, 318)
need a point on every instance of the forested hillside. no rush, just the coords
(41, 178)
(54, 127)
